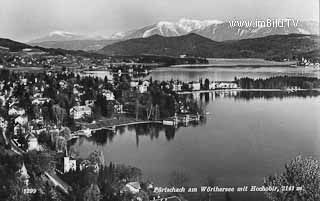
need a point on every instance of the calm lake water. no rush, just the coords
(227, 74)
(245, 137)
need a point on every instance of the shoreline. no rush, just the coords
(238, 89)
(239, 62)
(231, 65)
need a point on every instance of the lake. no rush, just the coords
(228, 73)
(245, 137)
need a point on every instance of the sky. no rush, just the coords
(24, 20)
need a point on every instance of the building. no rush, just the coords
(4, 49)
(3, 101)
(22, 120)
(194, 86)
(78, 112)
(115, 106)
(132, 187)
(212, 85)
(40, 101)
(176, 86)
(18, 129)
(108, 94)
(118, 108)
(3, 123)
(143, 87)
(33, 143)
(15, 111)
(134, 83)
(226, 85)
(89, 103)
(69, 164)
(61, 144)
(63, 84)
(86, 164)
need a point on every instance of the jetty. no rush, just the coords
(181, 119)
(88, 129)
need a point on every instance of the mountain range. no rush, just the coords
(59, 35)
(212, 29)
(71, 41)
(270, 47)
(217, 30)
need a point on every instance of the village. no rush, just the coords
(42, 111)
(48, 101)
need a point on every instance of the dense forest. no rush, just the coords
(278, 47)
(279, 82)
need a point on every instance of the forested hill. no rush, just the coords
(284, 46)
(13, 46)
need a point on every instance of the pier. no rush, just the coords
(91, 128)
(181, 119)
(88, 129)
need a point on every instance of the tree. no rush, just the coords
(92, 193)
(59, 114)
(17, 193)
(48, 193)
(39, 162)
(300, 172)
(65, 132)
(206, 84)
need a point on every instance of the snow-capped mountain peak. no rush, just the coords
(215, 30)
(61, 33)
(191, 25)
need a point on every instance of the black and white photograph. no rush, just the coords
(159, 100)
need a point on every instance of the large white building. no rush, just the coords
(194, 86)
(212, 85)
(108, 95)
(226, 85)
(33, 143)
(143, 87)
(78, 112)
(69, 164)
(16, 111)
(176, 86)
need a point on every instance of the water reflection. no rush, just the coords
(228, 74)
(251, 95)
(154, 131)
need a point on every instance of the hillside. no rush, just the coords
(284, 46)
(86, 45)
(159, 45)
(14, 46)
